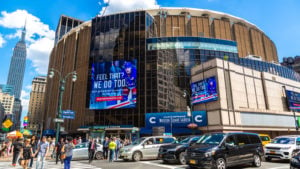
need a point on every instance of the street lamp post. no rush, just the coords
(62, 82)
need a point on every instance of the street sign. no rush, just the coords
(7, 123)
(57, 120)
(68, 114)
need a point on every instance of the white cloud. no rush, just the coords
(25, 100)
(2, 41)
(28, 87)
(39, 37)
(122, 5)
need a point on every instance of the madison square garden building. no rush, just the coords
(135, 63)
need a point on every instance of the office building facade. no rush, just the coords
(36, 103)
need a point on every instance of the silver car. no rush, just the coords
(145, 148)
(80, 152)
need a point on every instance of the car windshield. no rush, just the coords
(184, 141)
(284, 140)
(264, 138)
(215, 138)
(138, 141)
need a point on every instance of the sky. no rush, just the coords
(279, 19)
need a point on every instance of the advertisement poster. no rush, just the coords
(204, 91)
(293, 99)
(113, 84)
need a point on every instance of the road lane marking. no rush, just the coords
(279, 167)
(160, 165)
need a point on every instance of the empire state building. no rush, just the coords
(17, 66)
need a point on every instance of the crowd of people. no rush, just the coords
(25, 151)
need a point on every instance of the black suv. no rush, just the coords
(222, 150)
(176, 152)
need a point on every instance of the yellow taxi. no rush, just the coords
(265, 139)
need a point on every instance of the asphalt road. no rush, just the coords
(157, 164)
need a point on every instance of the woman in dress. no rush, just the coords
(33, 143)
(26, 153)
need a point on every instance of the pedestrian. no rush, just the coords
(3, 149)
(26, 153)
(68, 150)
(52, 147)
(34, 144)
(16, 149)
(58, 149)
(42, 150)
(79, 141)
(118, 142)
(112, 148)
(92, 149)
(105, 147)
(74, 141)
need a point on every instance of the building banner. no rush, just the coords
(204, 91)
(293, 99)
(175, 119)
(113, 84)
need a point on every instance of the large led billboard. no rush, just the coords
(293, 99)
(113, 84)
(204, 91)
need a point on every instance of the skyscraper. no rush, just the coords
(17, 66)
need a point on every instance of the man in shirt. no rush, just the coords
(112, 148)
(42, 151)
(92, 149)
(16, 149)
(105, 147)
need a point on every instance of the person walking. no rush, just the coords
(16, 149)
(92, 148)
(26, 154)
(58, 149)
(41, 153)
(112, 148)
(105, 148)
(33, 143)
(79, 141)
(118, 142)
(68, 148)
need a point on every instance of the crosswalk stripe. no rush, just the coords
(51, 165)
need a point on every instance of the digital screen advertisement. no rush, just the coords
(204, 91)
(113, 84)
(293, 99)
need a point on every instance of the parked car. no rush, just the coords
(295, 161)
(145, 148)
(265, 139)
(283, 147)
(80, 152)
(222, 150)
(176, 152)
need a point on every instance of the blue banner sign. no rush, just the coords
(176, 119)
(113, 84)
(68, 114)
(204, 91)
(293, 99)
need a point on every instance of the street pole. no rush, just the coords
(61, 93)
(62, 82)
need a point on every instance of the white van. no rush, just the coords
(283, 147)
(145, 148)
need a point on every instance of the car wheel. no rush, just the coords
(268, 158)
(99, 156)
(181, 158)
(220, 163)
(137, 156)
(256, 161)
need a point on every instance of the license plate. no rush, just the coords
(192, 161)
(272, 152)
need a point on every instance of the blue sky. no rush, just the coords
(279, 19)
